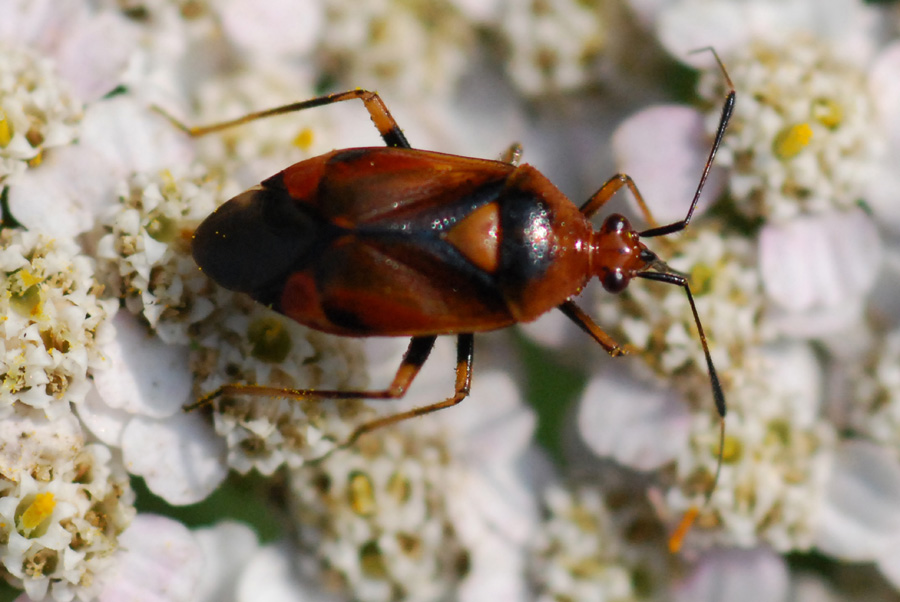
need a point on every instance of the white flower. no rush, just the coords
(637, 424)
(860, 520)
(78, 183)
(578, 554)
(160, 560)
(683, 26)
(53, 322)
(145, 251)
(756, 574)
(281, 28)
(227, 547)
(818, 271)
(89, 48)
(657, 319)
(554, 46)
(426, 508)
(37, 111)
(410, 47)
(777, 454)
(818, 254)
(803, 138)
(873, 403)
(663, 148)
(63, 504)
(54, 59)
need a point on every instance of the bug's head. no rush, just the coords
(618, 255)
(250, 242)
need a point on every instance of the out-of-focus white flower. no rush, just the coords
(755, 574)
(777, 454)
(160, 560)
(883, 185)
(554, 46)
(637, 424)
(37, 110)
(409, 47)
(849, 27)
(578, 554)
(255, 151)
(87, 47)
(860, 517)
(663, 148)
(228, 548)
(281, 28)
(272, 573)
(818, 271)
(873, 404)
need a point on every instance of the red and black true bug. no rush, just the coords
(393, 241)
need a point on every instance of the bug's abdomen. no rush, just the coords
(253, 241)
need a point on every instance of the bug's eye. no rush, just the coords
(614, 281)
(615, 223)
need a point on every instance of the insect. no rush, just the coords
(394, 241)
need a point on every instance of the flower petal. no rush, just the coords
(274, 28)
(819, 261)
(228, 547)
(271, 575)
(663, 149)
(181, 460)
(132, 138)
(144, 376)
(94, 54)
(160, 561)
(63, 196)
(104, 422)
(736, 575)
(860, 518)
(885, 86)
(889, 563)
(639, 425)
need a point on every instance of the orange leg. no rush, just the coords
(416, 354)
(577, 315)
(378, 111)
(610, 188)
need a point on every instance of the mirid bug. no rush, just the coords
(394, 241)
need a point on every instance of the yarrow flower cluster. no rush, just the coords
(63, 505)
(436, 33)
(64, 500)
(145, 254)
(53, 320)
(803, 139)
(580, 551)
(37, 110)
(727, 292)
(377, 518)
(109, 331)
(555, 46)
